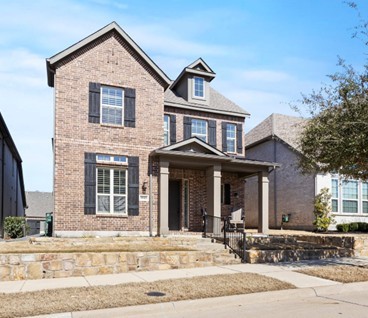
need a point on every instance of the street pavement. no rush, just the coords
(313, 296)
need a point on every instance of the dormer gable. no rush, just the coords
(193, 83)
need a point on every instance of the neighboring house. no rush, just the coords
(291, 192)
(12, 195)
(39, 203)
(136, 153)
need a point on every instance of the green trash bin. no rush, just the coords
(48, 224)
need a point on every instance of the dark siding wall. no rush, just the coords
(11, 194)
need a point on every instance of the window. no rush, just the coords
(111, 190)
(112, 105)
(111, 184)
(199, 129)
(225, 194)
(364, 197)
(166, 130)
(350, 196)
(231, 137)
(198, 87)
(335, 195)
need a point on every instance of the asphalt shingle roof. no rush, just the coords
(218, 103)
(287, 128)
(39, 203)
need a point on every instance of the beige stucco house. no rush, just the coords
(136, 153)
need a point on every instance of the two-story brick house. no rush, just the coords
(137, 153)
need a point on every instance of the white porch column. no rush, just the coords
(263, 204)
(214, 190)
(164, 198)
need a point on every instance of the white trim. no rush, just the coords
(112, 195)
(201, 135)
(203, 88)
(112, 106)
(235, 138)
(168, 129)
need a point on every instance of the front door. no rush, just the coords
(174, 205)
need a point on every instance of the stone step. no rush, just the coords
(291, 255)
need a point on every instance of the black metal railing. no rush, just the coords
(220, 229)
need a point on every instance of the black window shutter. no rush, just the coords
(212, 133)
(129, 107)
(187, 127)
(89, 183)
(227, 194)
(94, 103)
(172, 129)
(133, 186)
(239, 138)
(224, 139)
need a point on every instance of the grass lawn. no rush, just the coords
(339, 273)
(89, 298)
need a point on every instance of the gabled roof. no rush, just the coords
(284, 127)
(39, 203)
(50, 62)
(194, 145)
(219, 104)
(198, 67)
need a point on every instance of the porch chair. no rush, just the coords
(235, 219)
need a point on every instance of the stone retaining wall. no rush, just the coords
(55, 265)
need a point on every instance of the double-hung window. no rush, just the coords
(166, 130)
(199, 129)
(111, 185)
(112, 105)
(350, 196)
(231, 137)
(335, 195)
(364, 197)
(198, 87)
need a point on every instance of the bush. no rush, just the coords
(362, 227)
(322, 211)
(15, 226)
(345, 227)
(353, 227)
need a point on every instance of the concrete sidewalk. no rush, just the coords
(309, 288)
(281, 272)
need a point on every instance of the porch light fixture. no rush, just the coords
(144, 187)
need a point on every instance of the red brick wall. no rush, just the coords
(109, 63)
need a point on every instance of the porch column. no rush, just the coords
(164, 198)
(214, 194)
(263, 204)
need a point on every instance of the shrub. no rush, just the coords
(353, 227)
(343, 227)
(322, 211)
(15, 226)
(362, 227)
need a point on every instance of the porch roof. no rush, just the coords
(181, 155)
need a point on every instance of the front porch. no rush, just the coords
(194, 176)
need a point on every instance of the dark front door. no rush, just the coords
(174, 205)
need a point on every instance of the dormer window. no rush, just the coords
(198, 88)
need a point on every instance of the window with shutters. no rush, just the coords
(199, 129)
(112, 105)
(231, 137)
(111, 181)
(166, 130)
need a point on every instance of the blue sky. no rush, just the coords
(265, 53)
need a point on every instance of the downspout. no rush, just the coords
(150, 196)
